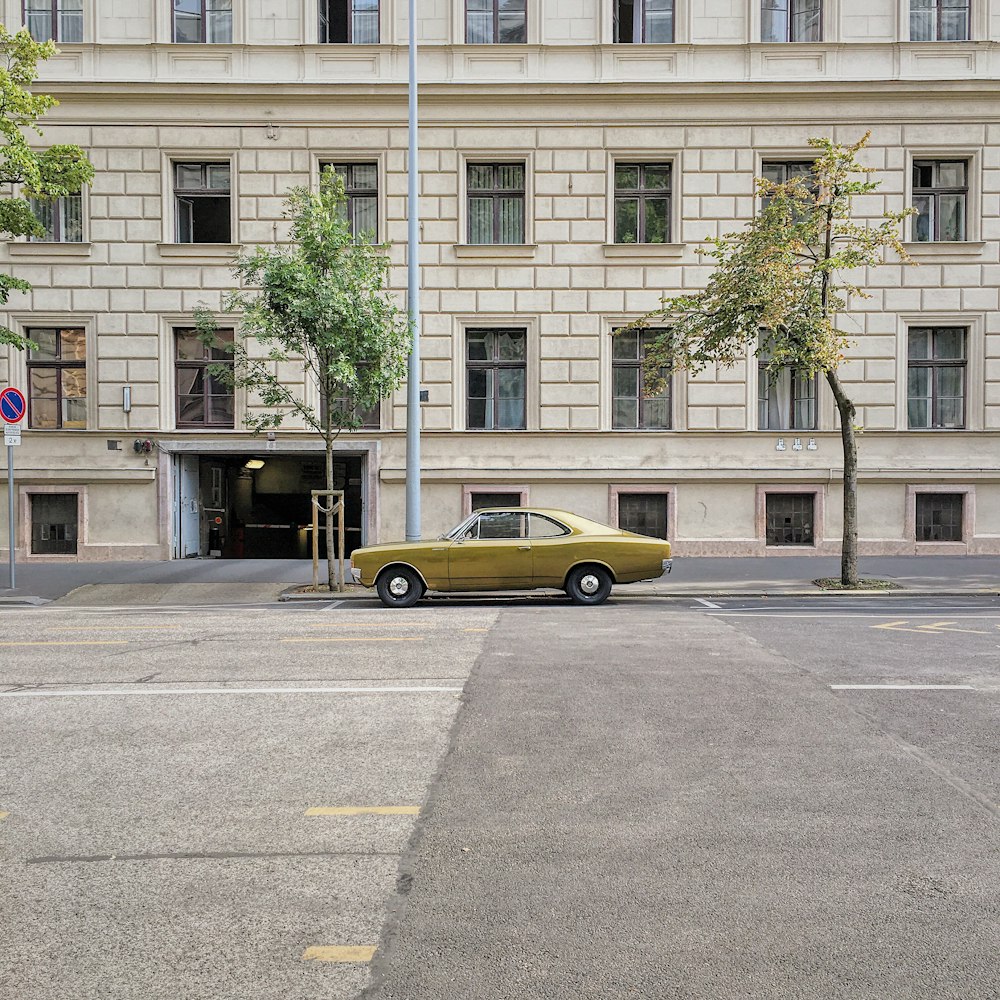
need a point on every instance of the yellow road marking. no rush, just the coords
(931, 628)
(339, 953)
(370, 625)
(363, 810)
(111, 628)
(475, 630)
(943, 627)
(74, 642)
(3, 816)
(359, 638)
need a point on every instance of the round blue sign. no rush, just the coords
(12, 405)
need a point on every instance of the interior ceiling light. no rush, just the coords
(255, 463)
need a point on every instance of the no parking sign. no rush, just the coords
(12, 408)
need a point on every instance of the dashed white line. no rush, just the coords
(903, 687)
(707, 604)
(146, 693)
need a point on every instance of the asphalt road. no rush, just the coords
(673, 799)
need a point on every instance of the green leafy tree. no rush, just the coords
(44, 174)
(321, 302)
(782, 285)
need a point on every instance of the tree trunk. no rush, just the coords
(330, 520)
(849, 547)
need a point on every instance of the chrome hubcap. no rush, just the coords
(589, 584)
(398, 586)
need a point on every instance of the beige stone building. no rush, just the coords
(575, 154)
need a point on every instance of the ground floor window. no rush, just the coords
(939, 517)
(643, 513)
(54, 524)
(789, 518)
(483, 500)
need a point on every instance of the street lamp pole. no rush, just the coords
(413, 304)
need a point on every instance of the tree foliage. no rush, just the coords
(320, 304)
(782, 285)
(44, 174)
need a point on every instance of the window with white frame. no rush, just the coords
(496, 22)
(55, 20)
(644, 21)
(939, 20)
(791, 21)
(203, 202)
(201, 21)
(941, 198)
(348, 22)
(61, 218)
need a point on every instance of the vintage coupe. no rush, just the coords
(513, 549)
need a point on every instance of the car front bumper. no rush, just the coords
(356, 575)
(668, 565)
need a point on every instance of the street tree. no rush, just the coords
(321, 302)
(26, 173)
(781, 288)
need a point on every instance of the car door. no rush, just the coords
(494, 553)
(551, 550)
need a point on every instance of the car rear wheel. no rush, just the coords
(399, 587)
(588, 585)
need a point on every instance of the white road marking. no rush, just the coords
(868, 614)
(902, 687)
(213, 691)
(707, 604)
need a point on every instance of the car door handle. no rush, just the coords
(524, 548)
(440, 548)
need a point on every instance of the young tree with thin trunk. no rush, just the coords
(320, 303)
(781, 285)
(42, 175)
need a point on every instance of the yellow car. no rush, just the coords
(513, 549)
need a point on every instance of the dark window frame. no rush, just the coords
(788, 532)
(935, 363)
(201, 364)
(203, 25)
(923, 520)
(934, 193)
(371, 418)
(57, 233)
(638, 364)
(496, 364)
(33, 541)
(496, 25)
(52, 8)
(792, 10)
(497, 194)
(639, 16)
(354, 191)
(797, 380)
(58, 365)
(642, 194)
(324, 24)
(939, 9)
(648, 495)
(507, 502)
(204, 192)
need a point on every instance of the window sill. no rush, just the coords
(503, 250)
(49, 249)
(966, 248)
(200, 250)
(638, 251)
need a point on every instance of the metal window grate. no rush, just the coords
(481, 501)
(939, 517)
(54, 521)
(643, 513)
(789, 518)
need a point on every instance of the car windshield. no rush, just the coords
(460, 528)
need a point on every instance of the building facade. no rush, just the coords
(575, 154)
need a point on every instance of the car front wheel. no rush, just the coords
(399, 587)
(588, 585)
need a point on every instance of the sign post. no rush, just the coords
(12, 408)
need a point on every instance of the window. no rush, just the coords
(644, 21)
(202, 196)
(57, 378)
(370, 418)
(348, 21)
(54, 523)
(496, 376)
(782, 171)
(500, 524)
(631, 408)
(203, 399)
(643, 513)
(939, 517)
(203, 21)
(642, 202)
(496, 203)
(61, 218)
(58, 20)
(361, 188)
(791, 21)
(540, 526)
(936, 366)
(939, 20)
(481, 500)
(789, 518)
(488, 22)
(786, 398)
(940, 196)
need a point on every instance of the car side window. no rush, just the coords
(501, 525)
(540, 526)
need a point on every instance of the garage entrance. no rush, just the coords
(258, 506)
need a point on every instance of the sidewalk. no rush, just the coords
(195, 582)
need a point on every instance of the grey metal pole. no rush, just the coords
(11, 526)
(413, 304)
